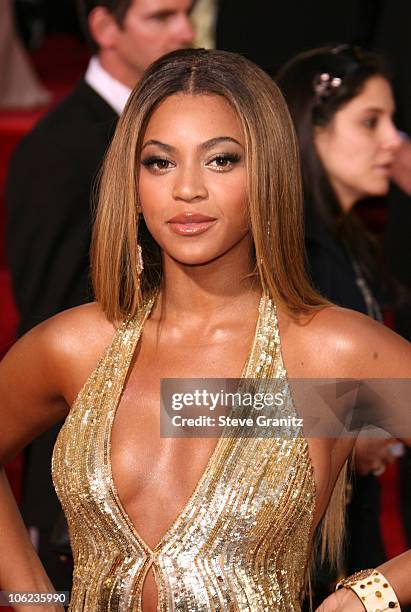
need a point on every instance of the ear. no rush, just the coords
(320, 137)
(318, 131)
(103, 27)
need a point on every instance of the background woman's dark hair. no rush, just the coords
(316, 84)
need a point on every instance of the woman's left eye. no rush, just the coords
(371, 122)
(224, 162)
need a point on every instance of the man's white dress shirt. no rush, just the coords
(112, 91)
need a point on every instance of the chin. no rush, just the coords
(194, 259)
(377, 189)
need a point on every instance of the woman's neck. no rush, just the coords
(346, 196)
(199, 291)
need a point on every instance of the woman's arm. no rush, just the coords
(354, 347)
(396, 571)
(20, 567)
(373, 353)
(39, 378)
(30, 402)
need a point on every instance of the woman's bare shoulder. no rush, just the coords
(78, 331)
(44, 370)
(78, 337)
(77, 327)
(68, 346)
(339, 342)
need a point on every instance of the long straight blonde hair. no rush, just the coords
(274, 194)
(274, 182)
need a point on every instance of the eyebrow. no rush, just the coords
(204, 146)
(166, 11)
(161, 13)
(378, 109)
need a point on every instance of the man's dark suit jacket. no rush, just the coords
(48, 197)
(48, 205)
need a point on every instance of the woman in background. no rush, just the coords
(342, 106)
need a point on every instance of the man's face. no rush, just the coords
(150, 29)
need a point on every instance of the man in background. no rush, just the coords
(49, 193)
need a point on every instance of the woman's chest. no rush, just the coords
(161, 483)
(155, 467)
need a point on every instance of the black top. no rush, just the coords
(329, 266)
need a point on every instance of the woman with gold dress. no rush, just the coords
(198, 273)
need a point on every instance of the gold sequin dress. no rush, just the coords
(240, 543)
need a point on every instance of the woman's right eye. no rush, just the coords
(371, 122)
(156, 163)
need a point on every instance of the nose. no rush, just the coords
(392, 137)
(185, 32)
(189, 185)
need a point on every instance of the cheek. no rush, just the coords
(348, 155)
(240, 214)
(231, 196)
(151, 200)
(137, 43)
(147, 38)
(153, 218)
(234, 219)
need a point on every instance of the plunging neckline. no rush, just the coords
(210, 462)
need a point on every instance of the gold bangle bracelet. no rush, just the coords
(373, 589)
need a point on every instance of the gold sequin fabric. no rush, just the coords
(242, 541)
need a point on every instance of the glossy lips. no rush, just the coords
(190, 223)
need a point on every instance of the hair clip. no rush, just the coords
(324, 84)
